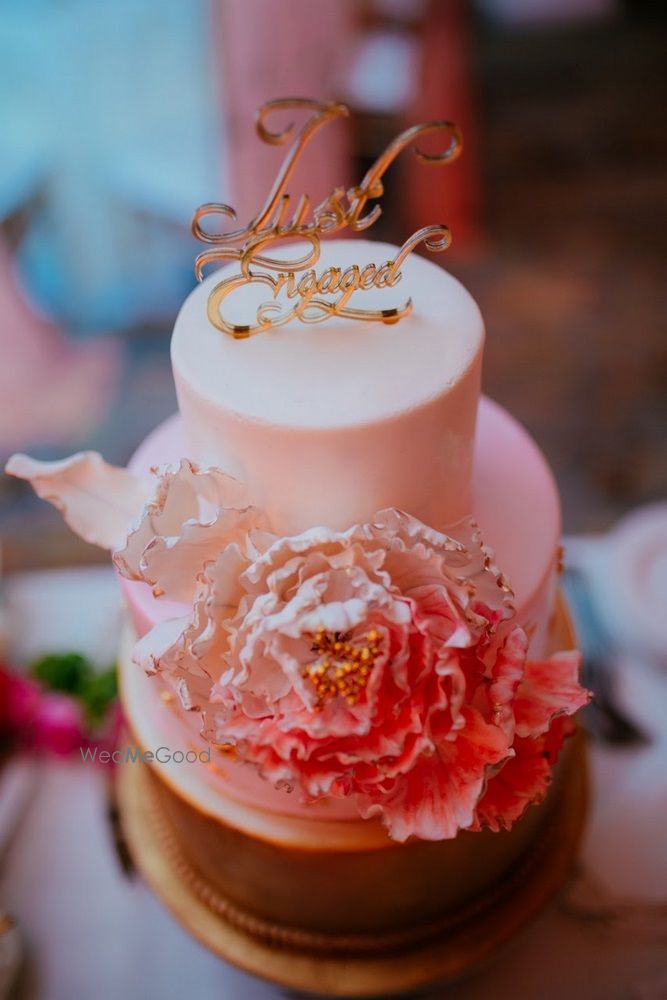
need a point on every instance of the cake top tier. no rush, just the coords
(337, 373)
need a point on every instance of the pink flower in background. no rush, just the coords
(18, 703)
(59, 725)
(38, 720)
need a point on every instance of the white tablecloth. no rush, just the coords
(90, 931)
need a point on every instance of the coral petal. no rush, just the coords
(548, 689)
(437, 798)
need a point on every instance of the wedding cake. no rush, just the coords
(340, 565)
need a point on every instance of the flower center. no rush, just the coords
(342, 667)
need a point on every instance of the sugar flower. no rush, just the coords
(379, 663)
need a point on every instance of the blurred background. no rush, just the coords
(116, 120)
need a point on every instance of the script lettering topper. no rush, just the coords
(316, 296)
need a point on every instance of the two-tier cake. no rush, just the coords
(340, 567)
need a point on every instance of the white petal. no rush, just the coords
(155, 644)
(191, 519)
(97, 500)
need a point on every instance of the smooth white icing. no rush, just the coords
(327, 423)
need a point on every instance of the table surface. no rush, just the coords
(89, 930)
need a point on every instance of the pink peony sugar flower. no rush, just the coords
(375, 663)
(379, 663)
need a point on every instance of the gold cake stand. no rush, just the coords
(454, 949)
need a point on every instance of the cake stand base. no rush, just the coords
(472, 939)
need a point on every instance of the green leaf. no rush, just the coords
(69, 672)
(98, 693)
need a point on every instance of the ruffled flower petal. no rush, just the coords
(150, 651)
(524, 780)
(193, 516)
(506, 675)
(98, 501)
(548, 689)
(438, 796)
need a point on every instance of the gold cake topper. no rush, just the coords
(316, 296)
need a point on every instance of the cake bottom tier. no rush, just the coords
(254, 885)
(343, 965)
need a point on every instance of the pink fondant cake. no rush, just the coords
(340, 568)
(514, 501)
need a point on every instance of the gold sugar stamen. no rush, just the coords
(343, 666)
